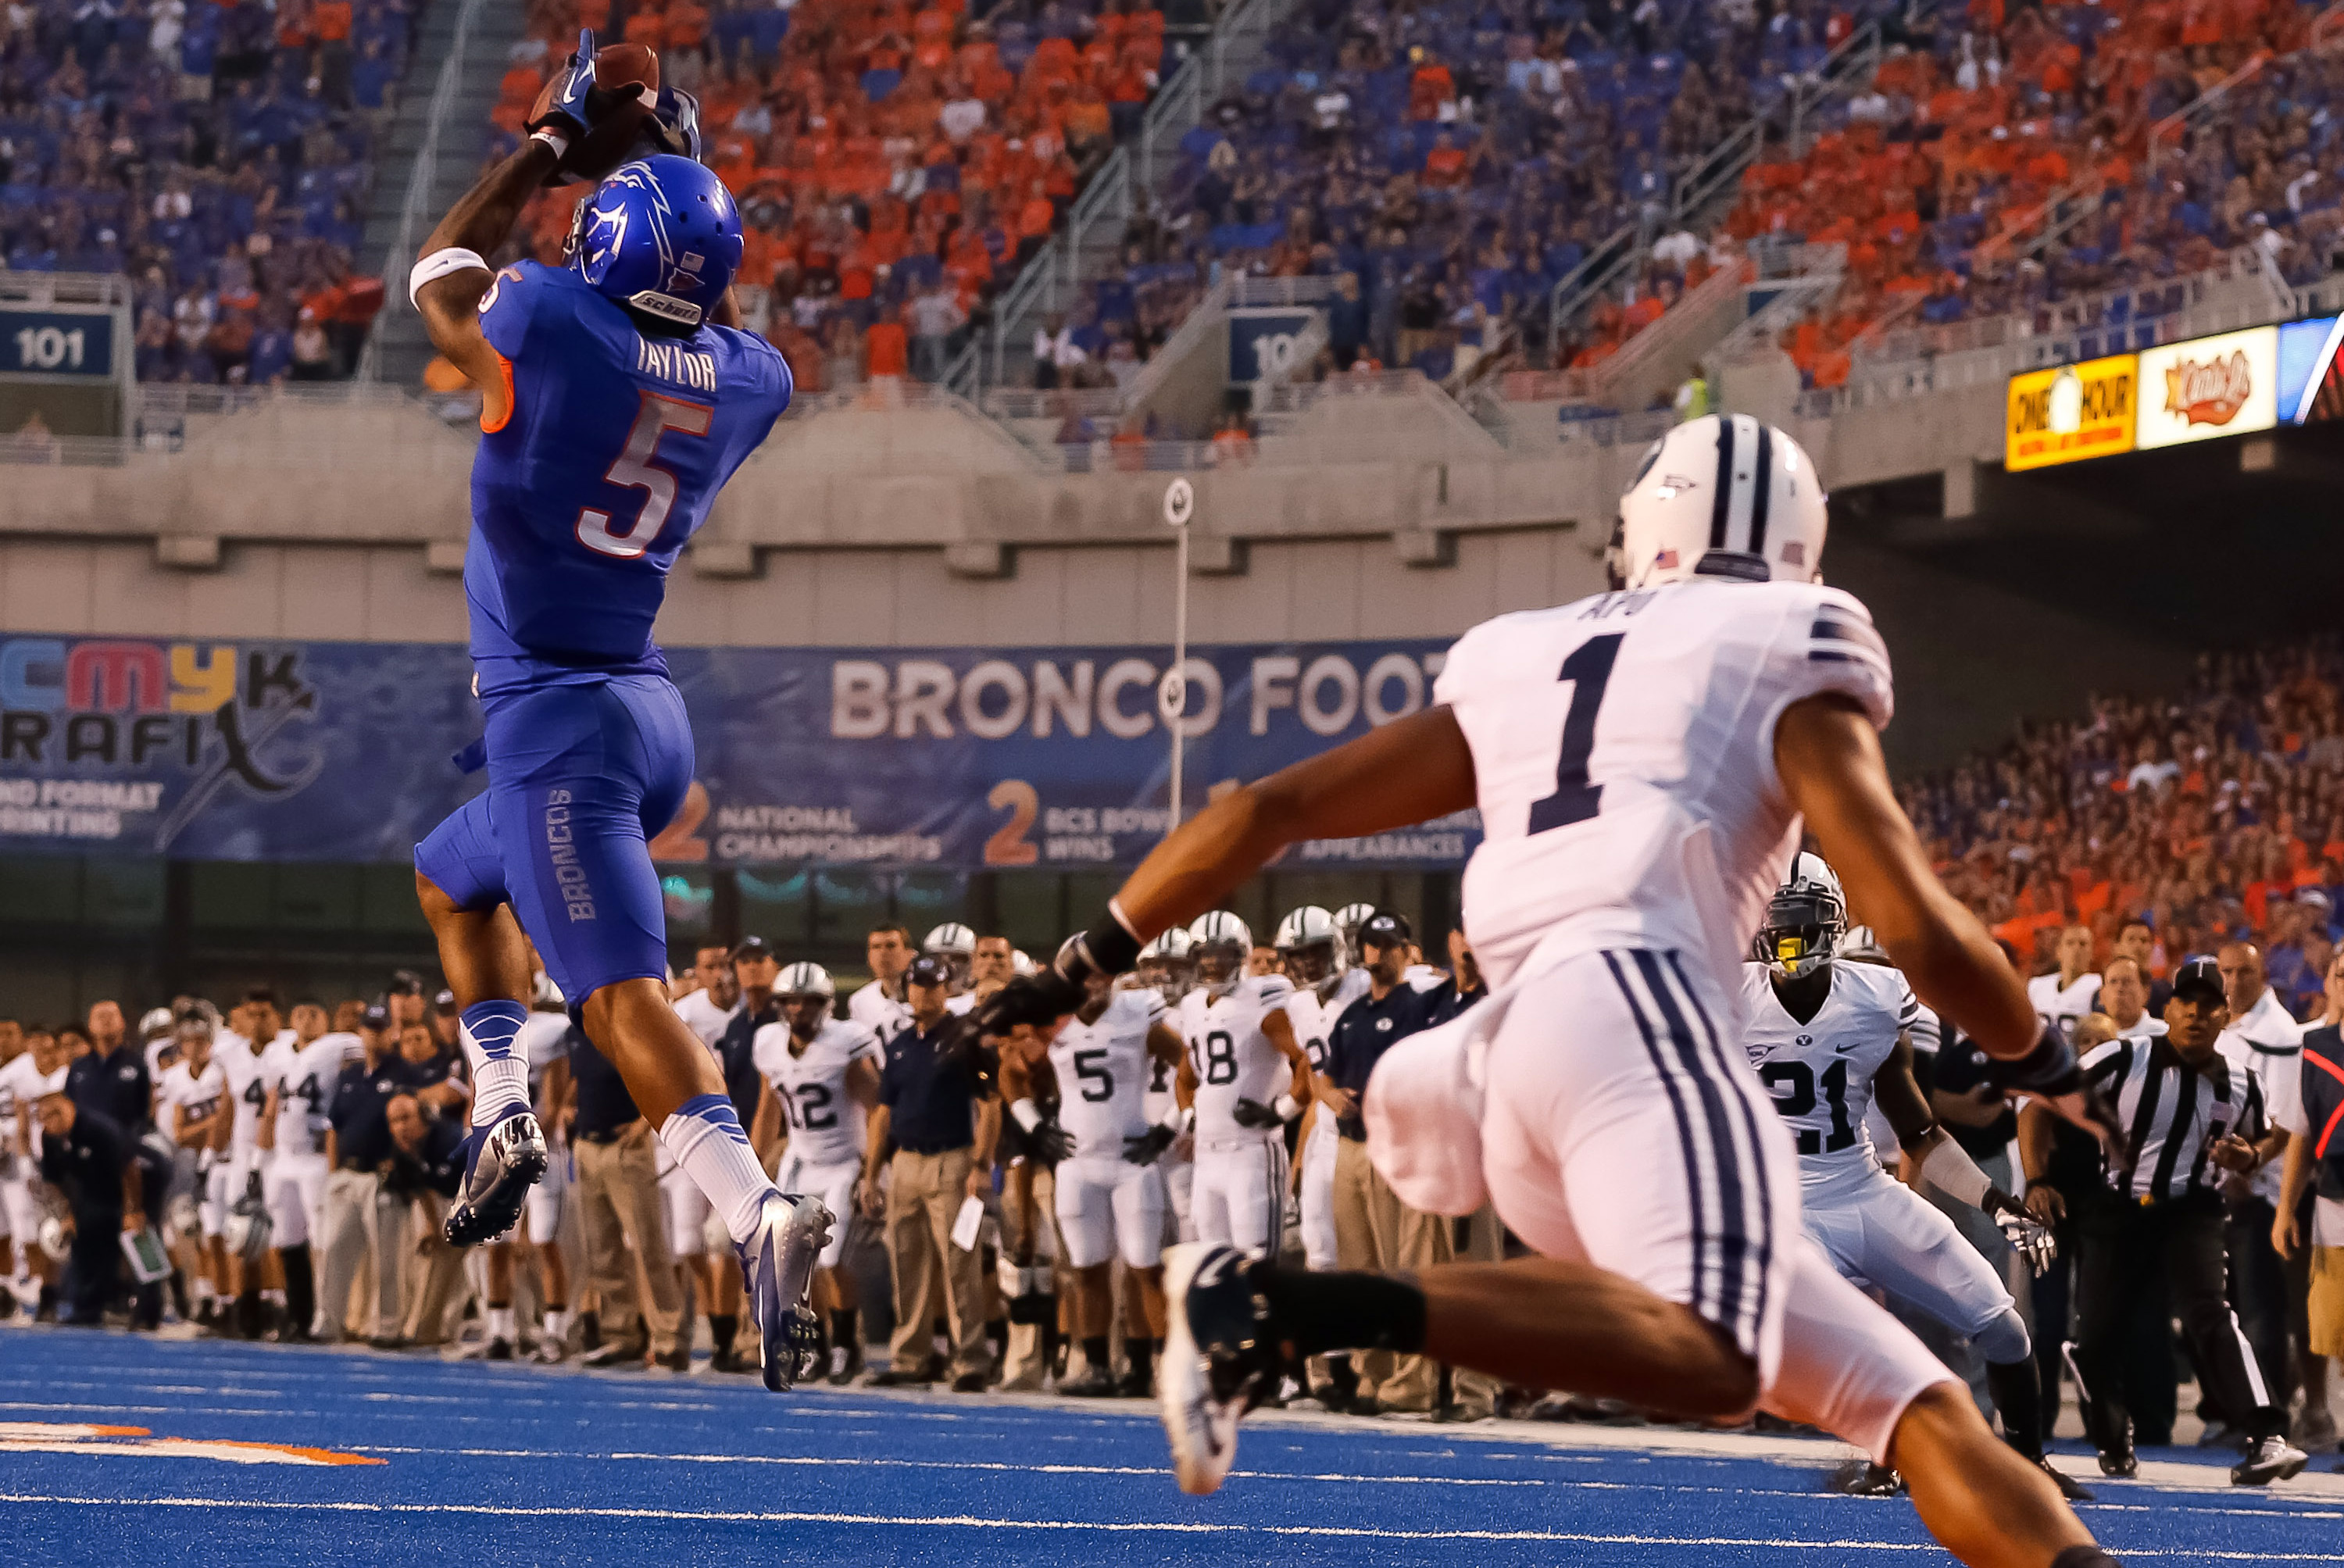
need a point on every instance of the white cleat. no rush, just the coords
(777, 1264)
(1219, 1358)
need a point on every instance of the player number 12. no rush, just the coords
(635, 469)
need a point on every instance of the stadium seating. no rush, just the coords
(2215, 815)
(217, 154)
(2058, 154)
(894, 164)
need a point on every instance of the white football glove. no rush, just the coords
(2031, 1241)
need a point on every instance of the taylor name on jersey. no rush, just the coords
(1820, 1072)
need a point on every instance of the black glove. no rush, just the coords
(1149, 1146)
(1051, 1143)
(1034, 1000)
(2048, 1069)
(1253, 1113)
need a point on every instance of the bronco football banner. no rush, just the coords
(948, 758)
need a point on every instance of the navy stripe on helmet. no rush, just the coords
(1721, 504)
(1765, 485)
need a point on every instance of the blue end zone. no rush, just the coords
(489, 1464)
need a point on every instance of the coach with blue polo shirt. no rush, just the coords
(1373, 1230)
(938, 1114)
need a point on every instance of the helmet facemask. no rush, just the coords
(1801, 933)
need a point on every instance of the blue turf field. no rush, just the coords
(486, 1466)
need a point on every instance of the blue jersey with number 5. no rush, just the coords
(617, 441)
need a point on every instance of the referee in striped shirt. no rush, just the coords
(2187, 1119)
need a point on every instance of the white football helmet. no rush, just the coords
(805, 980)
(1806, 920)
(156, 1023)
(1175, 945)
(1219, 943)
(1720, 496)
(54, 1241)
(248, 1231)
(1167, 964)
(952, 939)
(1347, 921)
(1313, 949)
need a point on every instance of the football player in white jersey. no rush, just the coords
(1325, 983)
(1641, 761)
(192, 1105)
(1830, 1039)
(292, 1143)
(543, 1039)
(20, 1212)
(2067, 996)
(252, 1062)
(1316, 958)
(824, 1073)
(1166, 966)
(1244, 1077)
(706, 1010)
(1109, 1190)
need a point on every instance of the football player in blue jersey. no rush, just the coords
(618, 395)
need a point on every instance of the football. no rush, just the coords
(625, 92)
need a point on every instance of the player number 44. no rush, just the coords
(635, 467)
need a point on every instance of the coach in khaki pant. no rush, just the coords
(623, 1220)
(1373, 1230)
(934, 1112)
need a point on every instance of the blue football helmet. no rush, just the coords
(661, 235)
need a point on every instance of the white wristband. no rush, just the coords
(439, 264)
(1951, 1171)
(1286, 1106)
(1177, 1120)
(553, 139)
(1027, 1116)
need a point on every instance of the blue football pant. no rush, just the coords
(580, 778)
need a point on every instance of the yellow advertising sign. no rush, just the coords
(2073, 412)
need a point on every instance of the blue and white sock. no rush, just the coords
(706, 1138)
(491, 1037)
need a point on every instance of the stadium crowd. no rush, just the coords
(217, 155)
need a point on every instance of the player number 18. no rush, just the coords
(634, 467)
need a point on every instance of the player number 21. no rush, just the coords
(635, 469)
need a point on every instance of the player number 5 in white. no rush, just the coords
(49, 349)
(633, 468)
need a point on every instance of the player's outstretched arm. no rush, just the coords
(451, 273)
(1409, 769)
(1828, 755)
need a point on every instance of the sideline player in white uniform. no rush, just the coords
(707, 1011)
(1168, 966)
(252, 1063)
(292, 1142)
(542, 1041)
(1245, 1079)
(957, 945)
(191, 1104)
(825, 1077)
(1316, 953)
(2067, 997)
(20, 1211)
(1629, 846)
(1109, 1189)
(1318, 962)
(1830, 1039)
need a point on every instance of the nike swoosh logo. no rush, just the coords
(1842, 1050)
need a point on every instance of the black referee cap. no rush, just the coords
(2199, 980)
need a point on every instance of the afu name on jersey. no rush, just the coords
(671, 363)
